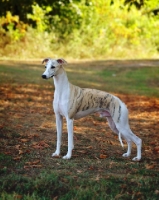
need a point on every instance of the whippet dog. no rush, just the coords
(73, 102)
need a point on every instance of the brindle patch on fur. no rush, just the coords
(119, 113)
(76, 96)
(83, 99)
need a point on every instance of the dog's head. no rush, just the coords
(52, 67)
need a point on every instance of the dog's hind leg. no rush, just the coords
(130, 137)
(114, 129)
(138, 143)
(129, 143)
(112, 125)
(122, 125)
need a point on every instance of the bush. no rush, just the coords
(83, 29)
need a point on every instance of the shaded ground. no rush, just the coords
(28, 137)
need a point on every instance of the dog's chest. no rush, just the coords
(61, 110)
(60, 107)
(60, 102)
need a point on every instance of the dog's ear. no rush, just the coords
(61, 61)
(45, 60)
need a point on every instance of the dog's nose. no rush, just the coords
(44, 76)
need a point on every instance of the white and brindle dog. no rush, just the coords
(73, 102)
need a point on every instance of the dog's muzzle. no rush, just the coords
(44, 76)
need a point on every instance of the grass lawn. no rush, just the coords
(97, 169)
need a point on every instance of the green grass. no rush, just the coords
(127, 80)
(50, 185)
(142, 81)
(117, 77)
(21, 74)
(26, 114)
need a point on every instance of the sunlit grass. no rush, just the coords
(132, 80)
(116, 79)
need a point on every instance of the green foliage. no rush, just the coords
(113, 30)
(151, 4)
(12, 27)
(39, 16)
(83, 29)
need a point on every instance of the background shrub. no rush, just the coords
(80, 29)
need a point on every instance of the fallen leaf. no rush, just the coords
(90, 168)
(27, 151)
(138, 193)
(18, 196)
(42, 143)
(31, 165)
(24, 140)
(79, 171)
(55, 198)
(28, 163)
(38, 147)
(157, 192)
(153, 143)
(95, 123)
(34, 143)
(35, 162)
(111, 142)
(57, 156)
(150, 166)
(1, 126)
(46, 145)
(82, 151)
(36, 135)
(103, 156)
(156, 149)
(21, 152)
(97, 178)
(118, 152)
(7, 153)
(17, 146)
(19, 126)
(26, 167)
(89, 147)
(36, 166)
(17, 158)
(64, 180)
(118, 196)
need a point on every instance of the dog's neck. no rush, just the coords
(61, 81)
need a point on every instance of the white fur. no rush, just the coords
(65, 102)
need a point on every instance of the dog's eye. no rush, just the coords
(52, 67)
(45, 66)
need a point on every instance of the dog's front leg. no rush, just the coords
(59, 124)
(70, 138)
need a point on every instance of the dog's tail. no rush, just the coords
(121, 142)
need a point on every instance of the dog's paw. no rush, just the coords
(55, 154)
(126, 155)
(136, 159)
(66, 157)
